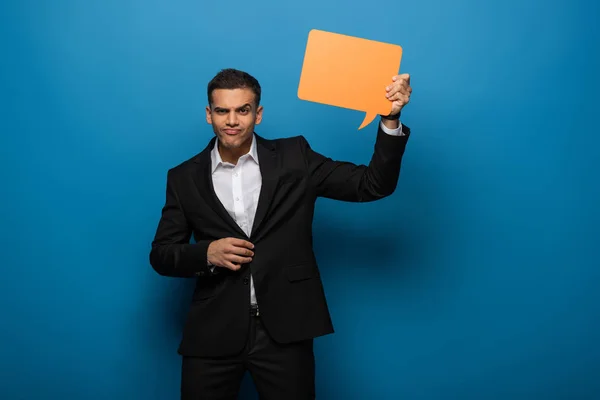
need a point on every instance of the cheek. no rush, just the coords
(249, 121)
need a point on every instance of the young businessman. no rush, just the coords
(249, 202)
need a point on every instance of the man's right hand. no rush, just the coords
(230, 253)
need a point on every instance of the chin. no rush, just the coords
(230, 145)
(233, 142)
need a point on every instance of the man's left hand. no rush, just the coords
(399, 92)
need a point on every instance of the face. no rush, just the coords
(233, 115)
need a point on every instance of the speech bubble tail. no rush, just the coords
(369, 117)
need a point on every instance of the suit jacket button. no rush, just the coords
(246, 281)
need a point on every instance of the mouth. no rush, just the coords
(232, 132)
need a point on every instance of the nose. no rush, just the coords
(232, 118)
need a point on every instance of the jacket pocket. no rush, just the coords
(301, 272)
(207, 288)
(202, 295)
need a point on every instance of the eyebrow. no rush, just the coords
(247, 105)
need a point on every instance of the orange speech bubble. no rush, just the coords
(349, 72)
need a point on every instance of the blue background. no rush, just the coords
(478, 278)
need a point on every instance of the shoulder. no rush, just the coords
(292, 143)
(189, 166)
(182, 167)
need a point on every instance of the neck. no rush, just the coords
(233, 155)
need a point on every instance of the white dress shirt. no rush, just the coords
(238, 187)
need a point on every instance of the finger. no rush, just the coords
(231, 266)
(241, 243)
(403, 89)
(393, 88)
(398, 88)
(240, 251)
(405, 77)
(239, 260)
(399, 97)
(392, 92)
(400, 103)
(404, 98)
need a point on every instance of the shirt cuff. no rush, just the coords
(392, 132)
(211, 267)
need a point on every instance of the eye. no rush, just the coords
(244, 111)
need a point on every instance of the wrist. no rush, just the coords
(392, 117)
(390, 123)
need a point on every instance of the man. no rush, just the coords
(259, 301)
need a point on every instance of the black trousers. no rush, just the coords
(279, 372)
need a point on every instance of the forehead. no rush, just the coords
(232, 98)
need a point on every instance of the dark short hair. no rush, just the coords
(234, 79)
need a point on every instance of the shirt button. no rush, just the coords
(237, 199)
(235, 174)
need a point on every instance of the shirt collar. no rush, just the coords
(216, 159)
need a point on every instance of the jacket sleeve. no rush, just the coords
(346, 181)
(172, 254)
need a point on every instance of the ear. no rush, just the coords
(259, 112)
(208, 115)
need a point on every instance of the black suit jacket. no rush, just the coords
(286, 276)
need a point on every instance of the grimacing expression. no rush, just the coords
(233, 115)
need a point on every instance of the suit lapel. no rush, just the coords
(267, 157)
(204, 185)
